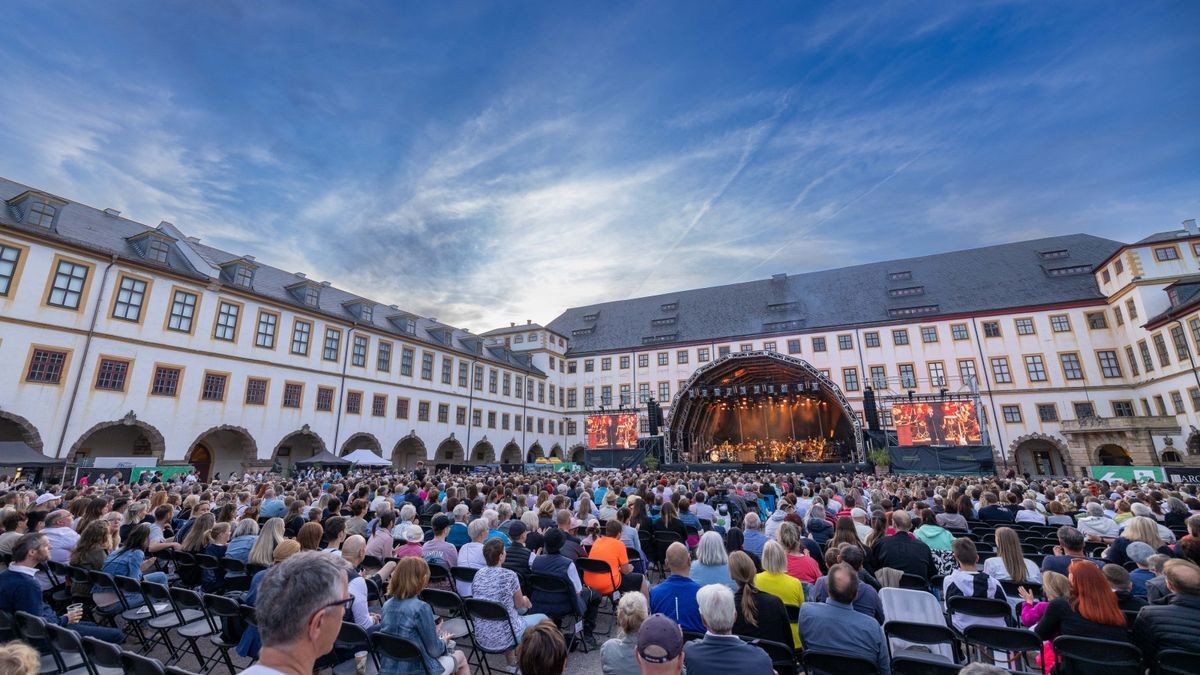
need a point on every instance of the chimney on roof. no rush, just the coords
(112, 212)
(165, 223)
(1189, 226)
(301, 275)
(393, 307)
(248, 258)
(528, 322)
(779, 277)
(326, 284)
(512, 324)
(193, 240)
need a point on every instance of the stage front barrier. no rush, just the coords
(962, 459)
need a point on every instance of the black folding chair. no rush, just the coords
(926, 634)
(603, 568)
(448, 607)
(819, 663)
(136, 664)
(176, 670)
(352, 638)
(981, 608)
(227, 615)
(69, 647)
(190, 605)
(491, 611)
(463, 574)
(33, 629)
(992, 643)
(914, 582)
(1013, 590)
(541, 585)
(915, 664)
(1177, 662)
(783, 658)
(1082, 656)
(105, 657)
(399, 649)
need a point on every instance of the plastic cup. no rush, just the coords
(75, 611)
(360, 663)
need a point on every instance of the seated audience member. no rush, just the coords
(406, 615)
(542, 651)
(471, 553)
(833, 627)
(552, 563)
(1030, 513)
(753, 536)
(867, 601)
(611, 550)
(800, 564)
(439, 551)
(902, 551)
(675, 596)
(501, 586)
(516, 555)
(129, 561)
(413, 537)
(1010, 563)
(721, 652)
(1175, 625)
(1069, 549)
(992, 512)
(379, 544)
(299, 609)
(660, 646)
(19, 590)
(1140, 553)
(711, 565)
(759, 614)
(1118, 579)
(968, 581)
(458, 535)
(1090, 611)
(1156, 588)
(572, 547)
(618, 656)
(1096, 525)
(1136, 529)
(352, 552)
(775, 580)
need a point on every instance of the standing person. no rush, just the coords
(759, 614)
(501, 586)
(833, 627)
(675, 596)
(299, 607)
(721, 652)
(775, 580)
(618, 656)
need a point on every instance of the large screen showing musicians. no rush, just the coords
(936, 423)
(609, 432)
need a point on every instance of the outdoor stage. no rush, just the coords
(804, 468)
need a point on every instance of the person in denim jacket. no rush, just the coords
(130, 561)
(406, 615)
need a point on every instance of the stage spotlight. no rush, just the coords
(783, 388)
(742, 391)
(771, 389)
(757, 389)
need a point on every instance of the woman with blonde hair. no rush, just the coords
(263, 551)
(759, 614)
(800, 564)
(1139, 528)
(618, 655)
(775, 580)
(1009, 563)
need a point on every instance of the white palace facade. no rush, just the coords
(122, 340)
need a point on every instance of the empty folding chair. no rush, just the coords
(32, 629)
(105, 657)
(226, 613)
(837, 664)
(199, 624)
(235, 577)
(1081, 656)
(992, 644)
(69, 646)
(136, 664)
(941, 642)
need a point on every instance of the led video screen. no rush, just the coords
(608, 432)
(936, 423)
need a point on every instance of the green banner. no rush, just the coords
(167, 471)
(1127, 473)
(557, 467)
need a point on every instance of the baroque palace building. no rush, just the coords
(124, 340)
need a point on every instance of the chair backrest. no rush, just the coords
(596, 566)
(902, 604)
(102, 654)
(550, 584)
(490, 611)
(837, 664)
(913, 582)
(793, 612)
(208, 562)
(65, 640)
(30, 627)
(938, 638)
(136, 664)
(1177, 662)
(979, 607)
(1001, 638)
(1086, 655)
(232, 565)
(224, 607)
(176, 670)
(396, 647)
(915, 665)
(354, 635)
(127, 585)
(466, 574)
(438, 573)
(781, 654)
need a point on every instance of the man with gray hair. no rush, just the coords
(721, 652)
(1096, 525)
(753, 538)
(300, 606)
(63, 539)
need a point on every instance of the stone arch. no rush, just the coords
(578, 453)
(556, 451)
(222, 449)
(13, 427)
(483, 452)
(302, 443)
(1112, 454)
(511, 454)
(126, 437)
(450, 451)
(408, 451)
(1171, 456)
(534, 454)
(1041, 455)
(361, 439)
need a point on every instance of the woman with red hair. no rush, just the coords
(1091, 611)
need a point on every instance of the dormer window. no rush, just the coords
(904, 292)
(365, 313)
(157, 249)
(591, 317)
(669, 306)
(312, 296)
(35, 208)
(1054, 255)
(41, 214)
(361, 309)
(239, 272)
(900, 276)
(243, 276)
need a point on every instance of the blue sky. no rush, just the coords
(494, 162)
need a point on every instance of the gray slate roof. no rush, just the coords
(95, 230)
(976, 280)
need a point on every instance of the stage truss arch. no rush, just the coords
(687, 406)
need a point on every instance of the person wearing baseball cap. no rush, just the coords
(863, 529)
(660, 646)
(45, 502)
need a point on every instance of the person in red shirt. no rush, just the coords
(611, 550)
(799, 563)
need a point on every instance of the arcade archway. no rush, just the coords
(128, 437)
(511, 454)
(556, 451)
(16, 428)
(450, 451)
(578, 454)
(299, 445)
(762, 407)
(222, 449)
(1113, 455)
(409, 451)
(483, 453)
(361, 440)
(1041, 455)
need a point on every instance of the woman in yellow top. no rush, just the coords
(775, 580)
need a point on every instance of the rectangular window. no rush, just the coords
(900, 337)
(333, 340)
(793, 346)
(324, 399)
(1012, 413)
(572, 398)
(9, 257)
(293, 394)
(746, 347)
(768, 346)
(1097, 320)
(505, 421)
(1000, 371)
(871, 339)
(227, 321)
(1035, 368)
(966, 370)
(358, 351)
(443, 414)
(958, 331)
(643, 360)
(111, 374)
(1160, 346)
(850, 377)
(723, 350)
(46, 366)
(264, 336)
(1133, 364)
(383, 357)
(476, 418)
(506, 385)
(183, 311)
(166, 381)
(256, 391)
(1166, 253)
(67, 289)
(1024, 326)
(818, 344)
(937, 374)
(1083, 410)
(1047, 412)
(477, 377)
(664, 391)
(379, 405)
(491, 419)
(606, 363)
(626, 393)
(401, 408)
(493, 380)
(845, 342)
(460, 415)
(643, 392)
(519, 387)
(301, 333)
(702, 354)
(908, 375)
(1122, 408)
(1118, 316)
(1181, 346)
(1177, 403)
(589, 397)
(664, 359)
(1109, 365)
(406, 361)
(131, 293)
(427, 366)
(624, 362)
(1194, 394)
(929, 334)
(681, 356)
(589, 365)
(991, 329)
(463, 375)
(354, 403)
(879, 377)
(606, 395)
(214, 387)
(1072, 368)
(1060, 323)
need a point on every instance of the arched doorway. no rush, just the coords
(128, 438)
(536, 452)
(1040, 455)
(578, 454)
(1113, 455)
(1171, 456)
(301, 444)
(511, 454)
(16, 428)
(556, 451)
(223, 449)
(361, 440)
(450, 451)
(409, 451)
(483, 453)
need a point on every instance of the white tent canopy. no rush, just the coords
(364, 457)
